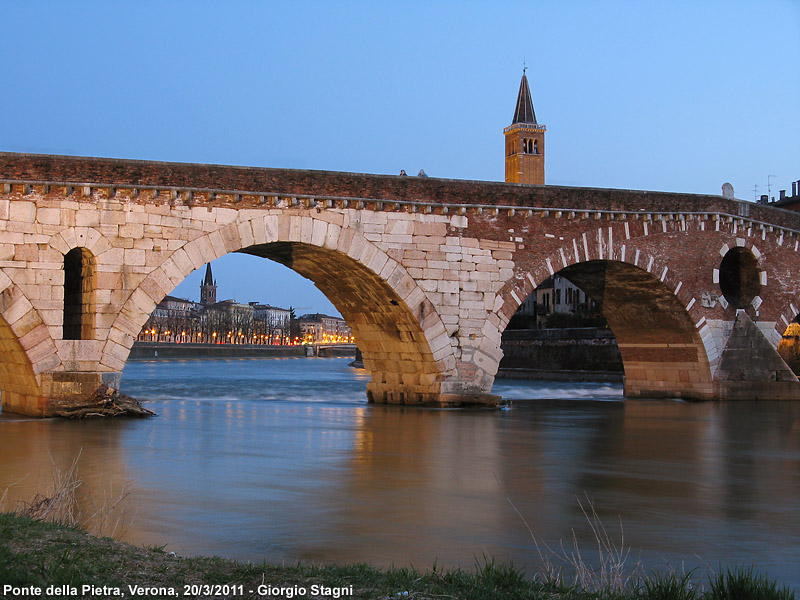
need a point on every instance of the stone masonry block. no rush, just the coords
(377, 261)
(48, 216)
(225, 216)
(205, 249)
(306, 229)
(22, 211)
(143, 301)
(246, 234)
(355, 247)
(319, 232)
(231, 238)
(132, 230)
(332, 236)
(134, 257)
(218, 243)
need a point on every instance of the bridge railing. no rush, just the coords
(196, 196)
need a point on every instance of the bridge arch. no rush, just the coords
(641, 298)
(400, 333)
(26, 351)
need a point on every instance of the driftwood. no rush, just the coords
(105, 403)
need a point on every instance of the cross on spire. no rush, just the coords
(524, 110)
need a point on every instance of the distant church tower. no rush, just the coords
(208, 289)
(524, 141)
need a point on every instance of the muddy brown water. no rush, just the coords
(283, 459)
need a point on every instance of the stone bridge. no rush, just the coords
(427, 272)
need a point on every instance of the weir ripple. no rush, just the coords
(282, 459)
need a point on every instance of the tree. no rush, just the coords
(294, 326)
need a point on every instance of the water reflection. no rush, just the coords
(283, 459)
(36, 454)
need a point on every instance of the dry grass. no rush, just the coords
(566, 565)
(103, 515)
(613, 571)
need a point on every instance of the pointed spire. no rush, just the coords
(524, 111)
(208, 289)
(209, 280)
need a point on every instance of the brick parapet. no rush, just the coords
(388, 188)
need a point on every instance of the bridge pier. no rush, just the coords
(664, 379)
(55, 391)
(750, 368)
(375, 395)
(430, 395)
(65, 389)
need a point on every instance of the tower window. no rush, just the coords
(536, 146)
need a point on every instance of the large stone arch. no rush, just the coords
(26, 351)
(401, 335)
(652, 316)
(19, 389)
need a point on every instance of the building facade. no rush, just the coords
(789, 202)
(272, 322)
(556, 295)
(178, 320)
(318, 328)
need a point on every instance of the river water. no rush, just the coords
(282, 459)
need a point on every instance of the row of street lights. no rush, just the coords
(167, 335)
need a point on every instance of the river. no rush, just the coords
(282, 459)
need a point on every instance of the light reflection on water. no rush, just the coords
(282, 459)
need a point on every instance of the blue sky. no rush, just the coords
(678, 96)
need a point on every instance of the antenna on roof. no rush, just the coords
(769, 186)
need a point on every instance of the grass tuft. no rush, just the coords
(743, 583)
(668, 586)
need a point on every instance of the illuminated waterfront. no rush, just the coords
(282, 459)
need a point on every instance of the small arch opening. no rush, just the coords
(78, 295)
(739, 278)
(536, 146)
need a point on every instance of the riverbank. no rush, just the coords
(161, 350)
(569, 354)
(71, 563)
(561, 375)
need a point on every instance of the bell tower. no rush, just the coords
(208, 289)
(524, 141)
